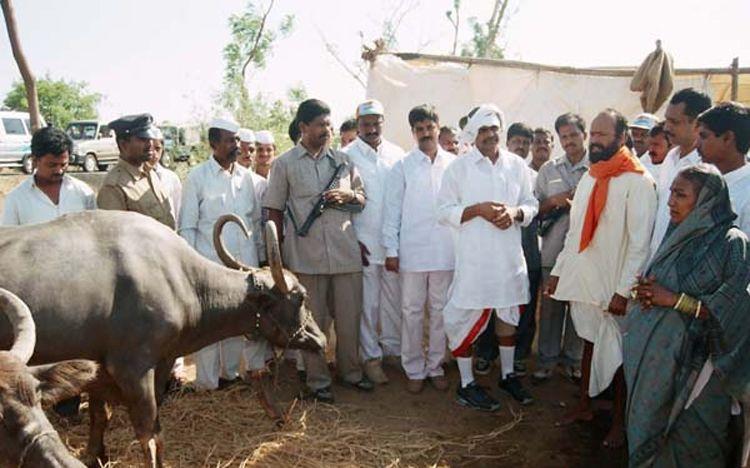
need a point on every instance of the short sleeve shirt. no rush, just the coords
(557, 176)
(295, 184)
(129, 188)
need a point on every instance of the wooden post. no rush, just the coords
(735, 78)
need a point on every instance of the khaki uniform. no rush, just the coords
(327, 261)
(129, 188)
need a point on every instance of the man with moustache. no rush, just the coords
(658, 146)
(265, 150)
(681, 126)
(420, 249)
(606, 249)
(486, 196)
(49, 192)
(639, 129)
(380, 328)
(214, 188)
(130, 186)
(541, 148)
(448, 139)
(247, 148)
(555, 185)
(327, 258)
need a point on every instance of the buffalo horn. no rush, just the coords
(221, 249)
(273, 252)
(24, 330)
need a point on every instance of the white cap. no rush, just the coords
(246, 135)
(224, 124)
(264, 137)
(644, 121)
(370, 107)
(158, 135)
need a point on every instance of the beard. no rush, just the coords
(602, 153)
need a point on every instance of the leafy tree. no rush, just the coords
(483, 43)
(60, 101)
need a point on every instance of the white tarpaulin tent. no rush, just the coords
(535, 94)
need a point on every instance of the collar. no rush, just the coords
(302, 152)
(65, 181)
(477, 157)
(135, 171)
(584, 163)
(367, 148)
(217, 169)
(737, 174)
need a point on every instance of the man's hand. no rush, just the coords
(649, 293)
(505, 217)
(551, 287)
(490, 210)
(339, 196)
(364, 252)
(617, 305)
(391, 264)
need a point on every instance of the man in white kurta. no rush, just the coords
(214, 188)
(420, 249)
(380, 326)
(597, 278)
(682, 128)
(486, 196)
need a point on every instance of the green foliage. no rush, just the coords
(480, 45)
(60, 101)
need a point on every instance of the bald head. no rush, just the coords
(607, 135)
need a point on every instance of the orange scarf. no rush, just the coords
(623, 161)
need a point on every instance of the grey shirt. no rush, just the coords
(296, 181)
(557, 176)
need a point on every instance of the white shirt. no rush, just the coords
(669, 169)
(373, 168)
(490, 267)
(652, 168)
(738, 183)
(260, 183)
(27, 204)
(172, 185)
(411, 230)
(211, 191)
(619, 249)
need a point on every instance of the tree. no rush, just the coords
(250, 47)
(454, 16)
(23, 66)
(483, 43)
(60, 101)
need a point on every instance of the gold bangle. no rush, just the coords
(679, 300)
(698, 309)
(687, 306)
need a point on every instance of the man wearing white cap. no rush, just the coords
(639, 129)
(265, 151)
(486, 195)
(373, 157)
(214, 188)
(247, 148)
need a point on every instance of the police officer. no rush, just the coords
(130, 186)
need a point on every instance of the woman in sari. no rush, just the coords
(687, 337)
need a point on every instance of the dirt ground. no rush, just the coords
(388, 427)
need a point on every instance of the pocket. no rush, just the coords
(303, 182)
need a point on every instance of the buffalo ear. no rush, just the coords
(64, 379)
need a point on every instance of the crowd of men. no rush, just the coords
(458, 243)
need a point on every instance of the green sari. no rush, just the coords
(664, 350)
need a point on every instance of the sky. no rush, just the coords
(165, 56)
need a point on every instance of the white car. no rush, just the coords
(15, 140)
(94, 145)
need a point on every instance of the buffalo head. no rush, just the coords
(278, 299)
(26, 436)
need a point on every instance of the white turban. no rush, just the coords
(264, 137)
(487, 115)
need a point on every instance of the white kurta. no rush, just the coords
(738, 183)
(26, 204)
(373, 168)
(616, 255)
(209, 192)
(411, 228)
(668, 170)
(652, 168)
(490, 268)
(260, 184)
(173, 186)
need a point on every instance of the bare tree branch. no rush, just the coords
(335, 54)
(23, 66)
(493, 25)
(456, 22)
(254, 50)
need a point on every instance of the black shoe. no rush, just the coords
(323, 395)
(226, 383)
(302, 376)
(512, 385)
(476, 397)
(482, 366)
(364, 385)
(519, 368)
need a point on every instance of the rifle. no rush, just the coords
(322, 204)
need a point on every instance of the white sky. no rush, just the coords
(165, 56)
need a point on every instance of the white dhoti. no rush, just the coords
(255, 353)
(463, 326)
(380, 326)
(216, 360)
(603, 330)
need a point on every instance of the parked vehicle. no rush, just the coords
(15, 140)
(94, 145)
(179, 142)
